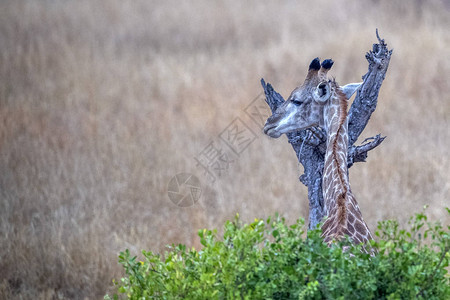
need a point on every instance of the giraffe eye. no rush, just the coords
(297, 102)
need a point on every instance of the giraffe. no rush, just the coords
(322, 102)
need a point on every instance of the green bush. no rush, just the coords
(271, 260)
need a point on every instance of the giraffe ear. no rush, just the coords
(322, 92)
(350, 89)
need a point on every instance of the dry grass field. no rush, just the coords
(103, 102)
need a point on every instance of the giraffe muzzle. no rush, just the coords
(269, 129)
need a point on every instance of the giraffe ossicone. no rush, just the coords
(320, 101)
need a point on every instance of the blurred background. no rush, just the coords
(102, 103)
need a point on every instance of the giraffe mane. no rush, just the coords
(341, 212)
(342, 119)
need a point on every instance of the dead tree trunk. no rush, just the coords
(310, 148)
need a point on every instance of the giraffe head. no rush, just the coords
(304, 107)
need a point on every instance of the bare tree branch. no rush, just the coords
(367, 96)
(359, 153)
(310, 144)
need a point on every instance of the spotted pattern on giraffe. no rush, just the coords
(321, 102)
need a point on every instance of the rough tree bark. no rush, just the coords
(310, 144)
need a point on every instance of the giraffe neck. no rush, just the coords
(335, 174)
(341, 208)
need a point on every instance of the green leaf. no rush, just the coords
(271, 259)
